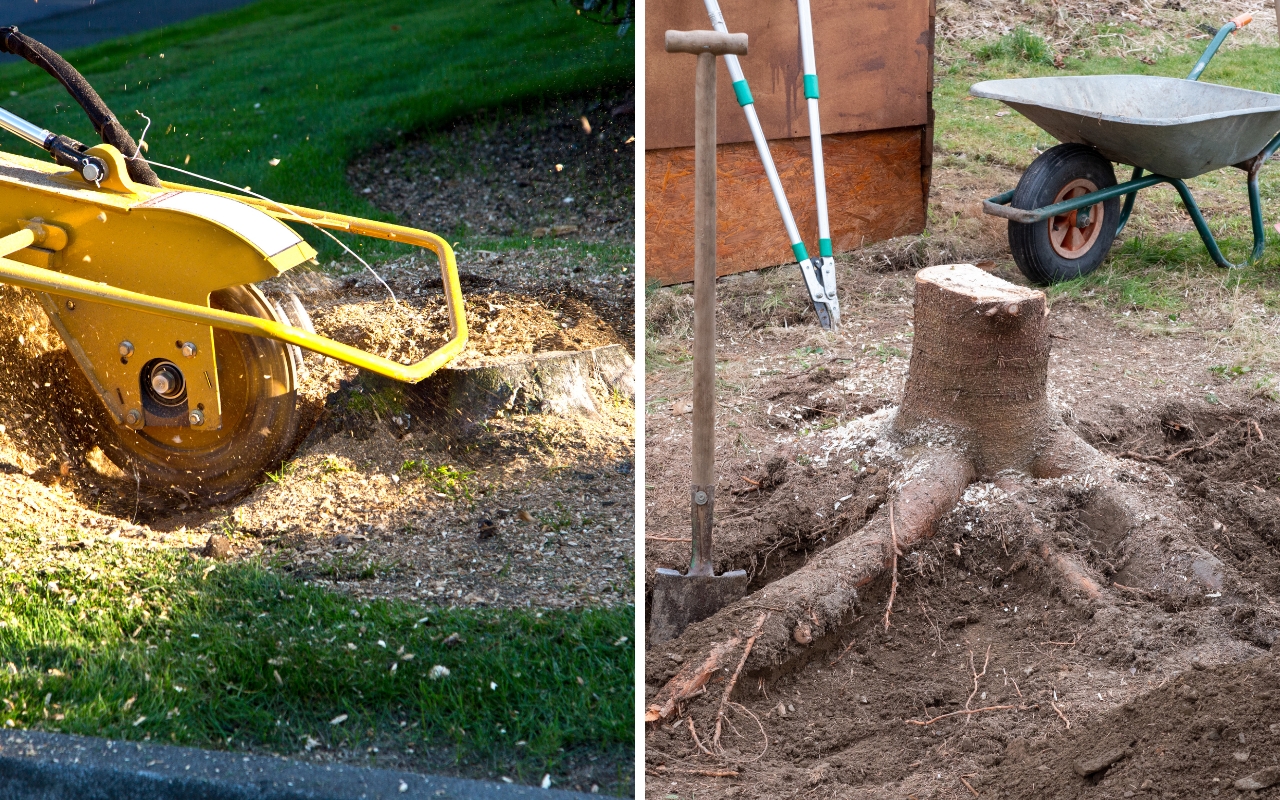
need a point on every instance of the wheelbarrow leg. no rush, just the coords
(1206, 235)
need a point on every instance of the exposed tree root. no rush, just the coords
(818, 598)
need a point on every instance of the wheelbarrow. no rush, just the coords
(1067, 209)
(188, 373)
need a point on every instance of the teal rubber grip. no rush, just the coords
(802, 255)
(811, 86)
(824, 248)
(743, 94)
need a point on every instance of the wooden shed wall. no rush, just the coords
(875, 74)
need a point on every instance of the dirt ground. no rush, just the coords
(563, 170)
(1170, 679)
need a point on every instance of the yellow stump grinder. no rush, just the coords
(151, 286)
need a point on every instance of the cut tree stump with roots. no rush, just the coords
(975, 407)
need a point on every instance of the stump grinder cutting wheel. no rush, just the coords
(189, 369)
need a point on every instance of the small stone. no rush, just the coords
(341, 540)
(451, 640)
(1262, 779)
(1241, 755)
(1088, 766)
(1196, 663)
(863, 699)
(803, 633)
(1147, 784)
(791, 708)
(781, 709)
(218, 548)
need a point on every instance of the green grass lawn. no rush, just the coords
(112, 641)
(1148, 269)
(313, 83)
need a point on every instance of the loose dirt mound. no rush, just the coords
(1207, 733)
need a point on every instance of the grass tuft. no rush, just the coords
(1020, 44)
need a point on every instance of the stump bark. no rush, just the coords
(980, 366)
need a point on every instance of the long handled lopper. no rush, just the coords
(820, 271)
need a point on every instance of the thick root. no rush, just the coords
(818, 598)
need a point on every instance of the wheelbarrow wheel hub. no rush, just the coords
(1073, 234)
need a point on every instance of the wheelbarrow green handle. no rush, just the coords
(1233, 25)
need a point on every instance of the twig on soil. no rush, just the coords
(1175, 454)
(666, 539)
(970, 788)
(893, 588)
(1065, 721)
(929, 619)
(762, 733)
(966, 712)
(844, 652)
(1135, 590)
(728, 690)
(694, 734)
(976, 675)
(709, 773)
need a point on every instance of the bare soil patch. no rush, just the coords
(565, 169)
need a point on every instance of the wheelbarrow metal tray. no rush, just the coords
(1168, 126)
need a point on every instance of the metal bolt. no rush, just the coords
(126, 349)
(162, 381)
(133, 417)
(195, 417)
(91, 172)
(189, 349)
(700, 497)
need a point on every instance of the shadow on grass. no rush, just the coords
(112, 640)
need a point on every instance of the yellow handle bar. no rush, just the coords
(46, 280)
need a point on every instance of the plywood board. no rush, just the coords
(873, 60)
(876, 189)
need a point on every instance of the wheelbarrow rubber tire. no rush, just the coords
(1033, 249)
(257, 384)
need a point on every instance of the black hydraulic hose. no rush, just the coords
(104, 122)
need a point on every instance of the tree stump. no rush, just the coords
(980, 366)
(975, 406)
